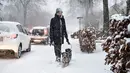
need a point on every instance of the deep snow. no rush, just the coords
(42, 60)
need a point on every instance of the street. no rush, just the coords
(42, 60)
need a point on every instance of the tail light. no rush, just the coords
(12, 36)
(45, 31)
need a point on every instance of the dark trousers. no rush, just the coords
(57, 48)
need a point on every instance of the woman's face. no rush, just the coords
(59, 13)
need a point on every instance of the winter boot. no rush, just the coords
(58, 59)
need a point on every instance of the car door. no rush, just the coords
(21, 36)
(27, 38)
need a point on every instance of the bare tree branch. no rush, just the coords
(28, 1)
(22, 2)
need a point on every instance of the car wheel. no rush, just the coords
(18, 54)
(29, 48)
(46, 42)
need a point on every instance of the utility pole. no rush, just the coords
(80, 18)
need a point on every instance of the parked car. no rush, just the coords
(13, 39)
(40, 35)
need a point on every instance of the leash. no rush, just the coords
(71, 46)
(61, 47)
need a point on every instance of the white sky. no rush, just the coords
(53, 4)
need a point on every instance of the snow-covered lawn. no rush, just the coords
(42, 60)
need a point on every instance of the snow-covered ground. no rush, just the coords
(42, 60)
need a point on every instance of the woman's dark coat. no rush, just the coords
(55, 33)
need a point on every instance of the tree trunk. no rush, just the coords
(88, 7)
(105, 16)
(128, 7)
(25, 15)
(1, 5)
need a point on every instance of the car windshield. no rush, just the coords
(4, 28)
(39, 32)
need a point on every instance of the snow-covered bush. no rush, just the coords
(118, 50)
(87, 40)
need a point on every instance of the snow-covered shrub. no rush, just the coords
(87, 39)
(116, 47)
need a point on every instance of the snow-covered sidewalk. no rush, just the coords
(42, 60)
(81, 62)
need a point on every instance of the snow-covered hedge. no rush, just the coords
(116, 47)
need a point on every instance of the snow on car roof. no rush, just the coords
(9, 22)
(39, 27)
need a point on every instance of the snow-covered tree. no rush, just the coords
(23, 11)
(116, 46)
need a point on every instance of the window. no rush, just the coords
(26, 32)
(4, 28)
(39, 32)
(20, 28)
